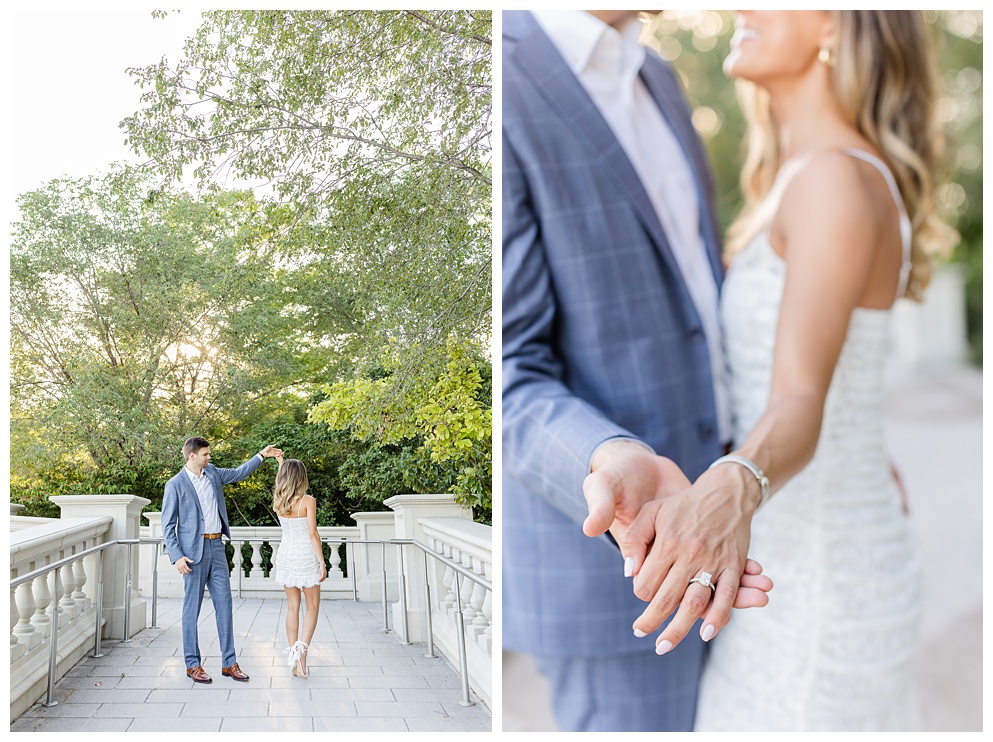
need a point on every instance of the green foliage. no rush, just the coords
(141, 315)
(138, 320)
(373, 129)
(448, 421)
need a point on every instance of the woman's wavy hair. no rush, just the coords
(885, 83)
(291, 485)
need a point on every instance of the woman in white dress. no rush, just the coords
(839, 183)
(299, 561)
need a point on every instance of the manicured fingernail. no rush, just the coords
(663, 646)
(628, 566)
(640, 634)
(708, 632)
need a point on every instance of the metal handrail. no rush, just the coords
(426, 550)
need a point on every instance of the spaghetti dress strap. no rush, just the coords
(906, 229)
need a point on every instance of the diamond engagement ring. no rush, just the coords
(704, 579)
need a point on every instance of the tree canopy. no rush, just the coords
(376, 124)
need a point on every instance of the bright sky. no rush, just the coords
(67, 88)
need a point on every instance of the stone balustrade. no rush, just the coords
(70, 591)
(251, 550)
(365, 566)
(447, 530)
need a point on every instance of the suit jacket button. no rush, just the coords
(696, 335)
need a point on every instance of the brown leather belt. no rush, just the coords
(212, 535)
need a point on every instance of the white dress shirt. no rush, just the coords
(606, 62)
(208, 502)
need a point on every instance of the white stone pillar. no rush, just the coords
(126, 511)
(409, 511)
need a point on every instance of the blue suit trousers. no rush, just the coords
(212, 570)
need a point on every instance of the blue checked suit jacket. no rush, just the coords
(600, 339)
(182, 518)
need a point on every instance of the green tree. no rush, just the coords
(373, 124)
(441, 433)
(137, 319)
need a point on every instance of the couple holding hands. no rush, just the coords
(666, 417)
(195, 516)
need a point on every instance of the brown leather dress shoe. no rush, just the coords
(234, 672)
(198, 675)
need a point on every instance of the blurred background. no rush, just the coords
(696, 43)
(934, 399)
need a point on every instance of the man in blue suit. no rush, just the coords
(611, 354)
(194, 517)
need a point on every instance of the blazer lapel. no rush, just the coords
(187, 485)
(553, 79)
(662, 85)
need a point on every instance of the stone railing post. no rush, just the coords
(409, 511)
(126, 511)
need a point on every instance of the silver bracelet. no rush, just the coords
(753, 468)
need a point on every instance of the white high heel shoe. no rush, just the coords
(297, 653)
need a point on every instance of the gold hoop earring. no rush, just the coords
(825, 56)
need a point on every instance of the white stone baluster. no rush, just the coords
(468, 589)
(486, 639)
(16, 648)
(55, 588)
(236, 560)
(78, 595)
(25, 608)
(66, 602)
(272, 559)
(256, 560)
(448, 581)
(42, 599)
(334, 563)
(479, 594)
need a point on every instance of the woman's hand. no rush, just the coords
(324, 573)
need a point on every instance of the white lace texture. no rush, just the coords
(295, 562)
(832, 651)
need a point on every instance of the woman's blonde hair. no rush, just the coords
(291, 485)
(884, 82)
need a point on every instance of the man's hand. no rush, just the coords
(271, 451)
(624, 476)
(183, 565)
(705, 528)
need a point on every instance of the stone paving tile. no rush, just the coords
(212, 710)
(379, 695)
(74, 710)
(312, 709)
(31, 724)
(272, 724)
(372, 681)
(355, 724)
(153, 682)
(107, 695)
(395, 663)
(422, 695)
(404, 710)
(139, 710)
(176, 725)
(263, 695)
(341, 671)
(200, 694)
(359, 675)
(314, 681)
(449, 725)
(456, 709)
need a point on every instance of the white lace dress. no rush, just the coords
(295, 562)
(832, 651)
